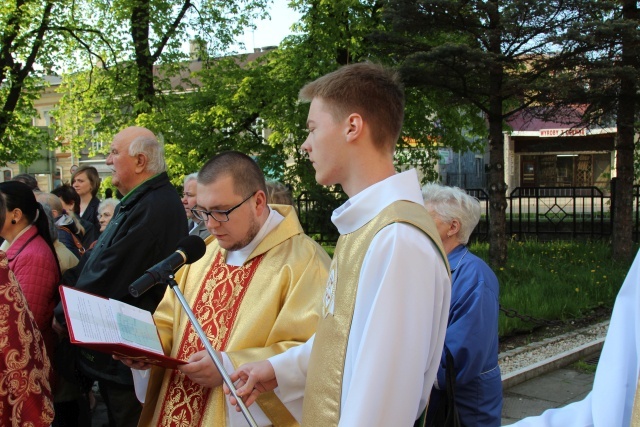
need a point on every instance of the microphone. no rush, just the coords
(190, 249)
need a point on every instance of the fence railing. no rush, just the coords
(551, 212)
(544, 212)
(314, 211)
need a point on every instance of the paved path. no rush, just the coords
(551, 390)
(99, 417)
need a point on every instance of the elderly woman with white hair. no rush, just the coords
(106, 209)
(472, 329)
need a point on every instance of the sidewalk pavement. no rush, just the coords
(551, 390)
(99, 417)
(549, 383)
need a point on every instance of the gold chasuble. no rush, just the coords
(250, 312)
(323, 389)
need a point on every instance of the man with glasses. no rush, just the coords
(256, 292)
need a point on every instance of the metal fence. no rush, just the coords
(547, 213)
(314, 211)
(551, 213)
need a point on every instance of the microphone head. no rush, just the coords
(193, 247)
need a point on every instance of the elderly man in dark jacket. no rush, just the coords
(145, 229)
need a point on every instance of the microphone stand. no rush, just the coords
(203, 337)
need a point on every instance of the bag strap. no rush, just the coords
(453, 419)
(76, 241)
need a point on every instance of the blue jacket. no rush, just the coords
(472, 339)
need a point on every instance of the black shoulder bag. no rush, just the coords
(447, 412)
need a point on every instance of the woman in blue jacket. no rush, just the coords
(472, 329)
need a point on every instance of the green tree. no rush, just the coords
(24, 48)
(236, 98)
(252, 106)
(603, 79)
(627, 113)
(494, 56)
(127, 76)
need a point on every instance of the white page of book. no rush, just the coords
(136, 326)
(91, 317)
(98, 320)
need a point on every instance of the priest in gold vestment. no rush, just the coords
(256, 292)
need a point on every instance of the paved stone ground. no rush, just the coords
(552, 390)
(99, 417)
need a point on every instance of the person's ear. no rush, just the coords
(355, 126)
(141, 162)
(260, 200)
(15, 215)
(454, 227)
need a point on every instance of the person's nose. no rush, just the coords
(211, 223)
(305, 148)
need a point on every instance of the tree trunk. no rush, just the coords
(140, 21)
(497, 193)
(623, 197)
(496, 184)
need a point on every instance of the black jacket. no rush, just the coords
(145, 229)
(90, 215)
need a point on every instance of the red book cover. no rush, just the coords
(114, 327)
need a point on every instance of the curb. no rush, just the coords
(551, 363)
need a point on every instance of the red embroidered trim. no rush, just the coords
(216, 308)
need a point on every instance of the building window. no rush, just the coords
(479, 167)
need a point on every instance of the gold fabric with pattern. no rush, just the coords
(25, 369)
(323, 389)
(280, 309)
(215, 308)
(635, 414)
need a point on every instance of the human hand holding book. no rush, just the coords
(114, 327)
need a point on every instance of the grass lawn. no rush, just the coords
(558, 280)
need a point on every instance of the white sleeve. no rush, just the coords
(398, 330)
(291, 370)
(141, 382)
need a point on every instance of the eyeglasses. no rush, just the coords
(220, 216)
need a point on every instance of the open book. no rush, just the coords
(111, 326)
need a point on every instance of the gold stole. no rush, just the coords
(215, 307)
(635, 414)
(323, 388)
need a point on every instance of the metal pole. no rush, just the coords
(203, 337)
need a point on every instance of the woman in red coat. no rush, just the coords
(31, 254)
(25, 369)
